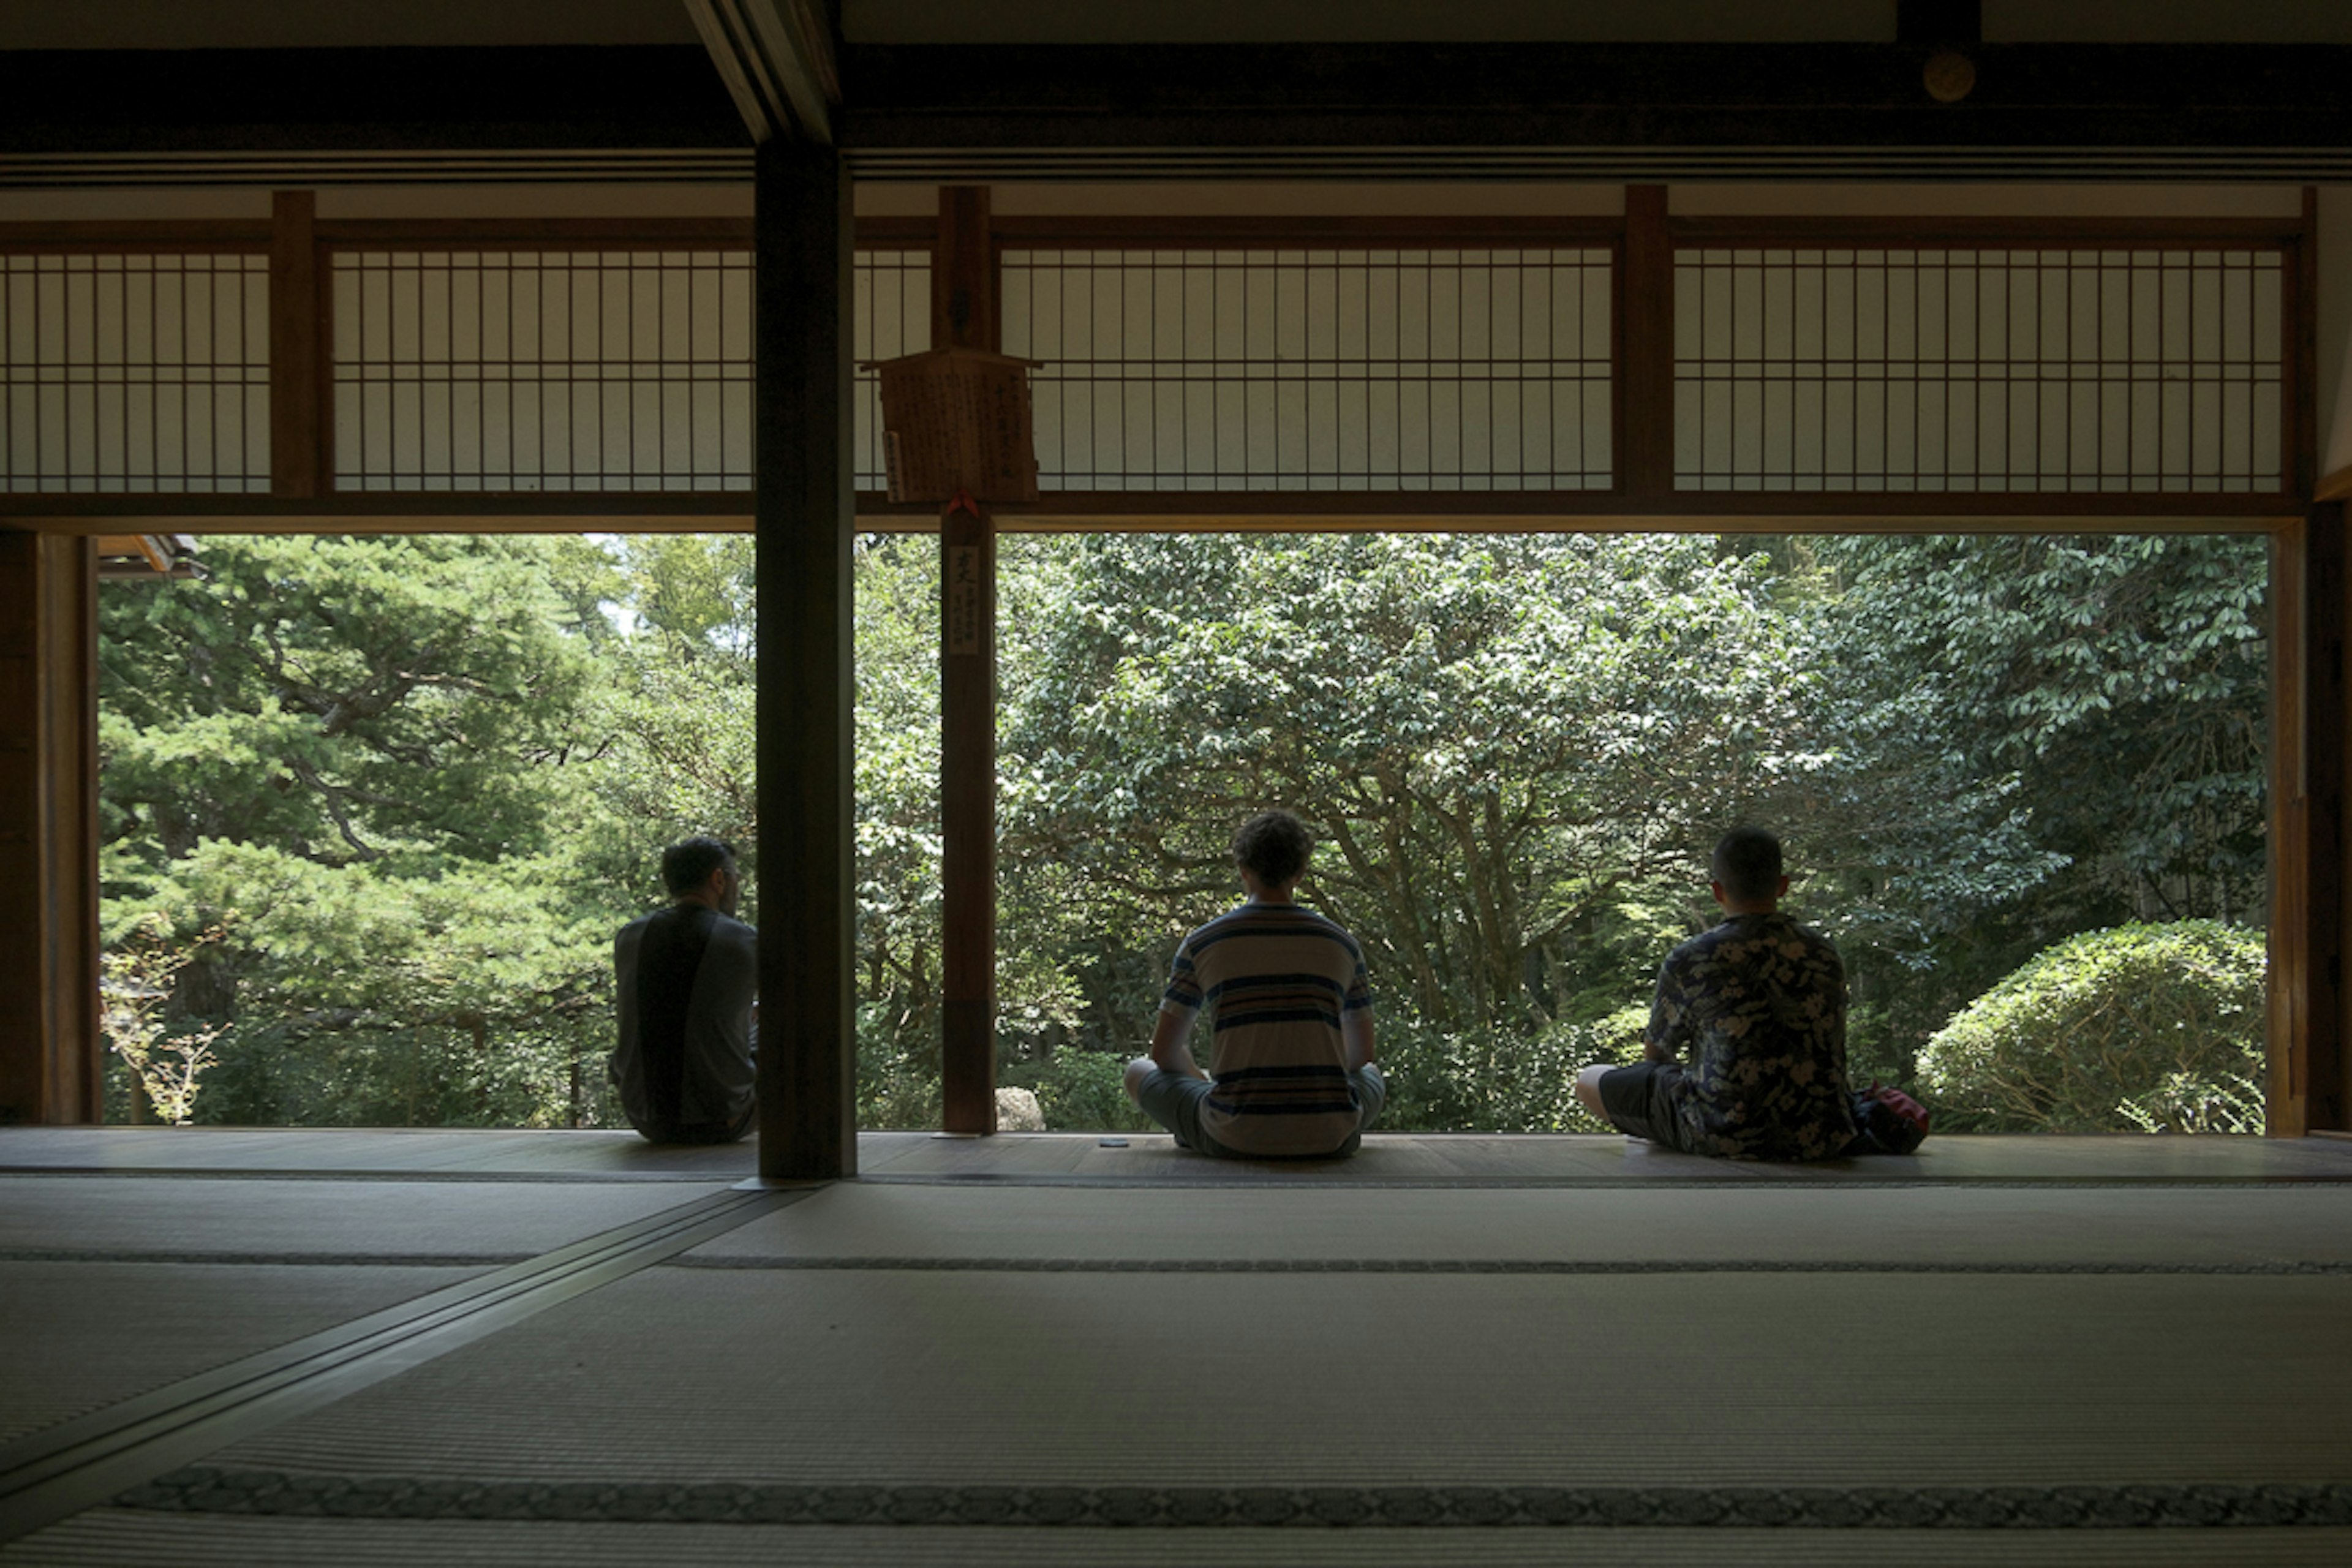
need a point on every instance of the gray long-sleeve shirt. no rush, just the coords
(720, 1040)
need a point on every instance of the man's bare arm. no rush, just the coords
(1355, 1037)
(1169, 1052)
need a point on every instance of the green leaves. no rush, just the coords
(430, 775)
(2147, 1028)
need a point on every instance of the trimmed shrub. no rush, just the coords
(2154, 1028)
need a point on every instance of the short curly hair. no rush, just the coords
(1274, 847)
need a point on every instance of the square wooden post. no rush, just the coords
(2326, 1073)
(2306, 1028)
(964, 316)
(299, 386)
(804, 517)
(49, 1055)
(1646, 348)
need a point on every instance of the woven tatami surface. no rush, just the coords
(81, 1336)
(1088, 1380)
(177, 1216)
(1927, 1225)
(1441, 1159)
(990, 1368)
(110, 1288)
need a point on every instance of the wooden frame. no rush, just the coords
(1645, 239)
(2309, 911)
(48, 829)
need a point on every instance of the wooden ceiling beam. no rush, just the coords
(179, 101)
(2153, 96)
(778, 60)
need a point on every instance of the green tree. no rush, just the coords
(2153, 1027)
(354, 752)
(2029, 736)
(1512, 745)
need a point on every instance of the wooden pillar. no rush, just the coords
(49, 1054)
(2309, 1076)
(2311, 575)
(1646, 351)
(805, 516)
(2328, 1033)
(299, 381)
(2307, 1028)
(964, 316)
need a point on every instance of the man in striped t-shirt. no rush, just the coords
(1291, 1072)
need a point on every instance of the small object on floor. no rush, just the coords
(1112, 1143)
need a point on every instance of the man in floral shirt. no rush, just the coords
(1759, 1004)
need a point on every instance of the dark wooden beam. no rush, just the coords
(2306, 1027)
(963, 271)
(1214, 510)
(808, 1058)
(1630, 95)
(1429, 96)
(2302, 437)
(2320, 1069)
(49, 829)
(218, 100)
(1646, 348)
(963, 315)
(299, 379)
(1939, 23)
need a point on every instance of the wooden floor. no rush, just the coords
(1387, 1159)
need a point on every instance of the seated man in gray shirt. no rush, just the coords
(689, 1014)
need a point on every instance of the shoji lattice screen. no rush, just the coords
(1316, 369)
(890, 315)
(1979, 370)
(542, 370)
(134, 372)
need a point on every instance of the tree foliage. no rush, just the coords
(2034, 736)
(2153, 1026)
(418, 782)
(1512, 746)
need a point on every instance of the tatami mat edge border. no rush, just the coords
(210, 1490)
(1481, 1266)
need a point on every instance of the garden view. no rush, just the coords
(373, 806)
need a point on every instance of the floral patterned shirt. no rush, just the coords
(1758, 1003)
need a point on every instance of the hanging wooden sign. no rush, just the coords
(958, 419)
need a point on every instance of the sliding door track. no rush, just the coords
(62, 1469)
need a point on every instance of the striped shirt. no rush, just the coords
(1276, 979)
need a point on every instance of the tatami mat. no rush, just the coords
(1149, 1159)
(413, 1151)
(985, 1341)
(1943, 1225)
(180, 1216)
(81, 1336)
(106, 1538)
(1224, 1380)
(1480, 1159)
